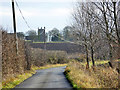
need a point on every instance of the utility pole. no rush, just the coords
(14, 26)
(44, 45)
(44, 35)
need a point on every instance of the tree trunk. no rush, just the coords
(110, 53)
(92, 56)
(108, 35)
(87, 60)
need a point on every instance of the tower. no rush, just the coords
(41, 34)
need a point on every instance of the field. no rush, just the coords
(68, 47)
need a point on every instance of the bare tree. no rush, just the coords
(109, 18)
(85, 28)
(97, 27)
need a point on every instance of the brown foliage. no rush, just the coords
(12, 63)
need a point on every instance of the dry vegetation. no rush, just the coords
(99, 77)
(42, 57)
(12, 64)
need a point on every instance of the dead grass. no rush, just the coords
(48, 66)
(97, 78)
(11, 82)
(96, 62)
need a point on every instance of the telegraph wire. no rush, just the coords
(68, 40)
(22, 15)
(32, 29)
(64, 39)
(25, 19)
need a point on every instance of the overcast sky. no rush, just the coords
(38, 13)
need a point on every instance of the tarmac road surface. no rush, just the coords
(47, 78)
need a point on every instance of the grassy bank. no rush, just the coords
(99, 77)
(48, 66)
(13, 81)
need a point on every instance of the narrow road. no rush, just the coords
(47, 78)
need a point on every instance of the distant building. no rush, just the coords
(41, 34)
(40, 37)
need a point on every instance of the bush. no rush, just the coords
(77, 56)
(41, 57)
(54, 57)
(37, 56)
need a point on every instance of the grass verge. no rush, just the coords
(48, 66)
(99, 77)
(13, 81)
(70, 80)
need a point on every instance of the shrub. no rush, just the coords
(54, 57)
(41, 57)
(77, 56)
